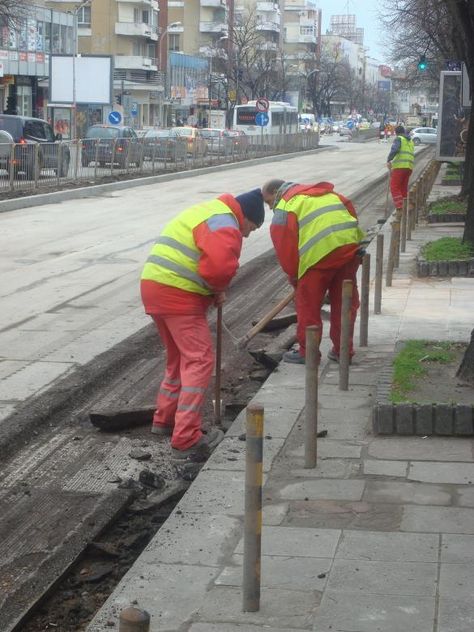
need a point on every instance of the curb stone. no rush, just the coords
(447, 420)
(460, 268)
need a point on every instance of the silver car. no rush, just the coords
(428, 135)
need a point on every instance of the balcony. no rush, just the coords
(213, 3)
(135, 62)
(267, 6)
(268, 46)
(299, 38)
(212, 27)
(268, 26)
(149, 3)
(136, 29)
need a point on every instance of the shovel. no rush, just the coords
(217, 392)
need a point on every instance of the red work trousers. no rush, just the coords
(399, 185)
(310, 293)
(189, 364)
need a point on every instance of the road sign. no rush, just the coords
(262, 119)
(115, 118)
(262, 104)
(134, 110)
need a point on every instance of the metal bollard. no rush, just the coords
(313, 340)
(134, 620)
(253, 509)
(386, 213)
(378, 275)
(391, 256)
(364, 302)
(409, 216)
(345, 335)
(396, 232)
(403, 227)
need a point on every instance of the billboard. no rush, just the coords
(90, 77)
(453, 119)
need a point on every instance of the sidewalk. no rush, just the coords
(378, 538)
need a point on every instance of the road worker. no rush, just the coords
(400, 164)
(317, 241)
(188, 269)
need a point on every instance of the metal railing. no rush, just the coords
(41, 166)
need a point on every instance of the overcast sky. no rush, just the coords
(366, 15)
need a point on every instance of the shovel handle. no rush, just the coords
(217, 403)
(266, 319)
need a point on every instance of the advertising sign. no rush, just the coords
(453, 119)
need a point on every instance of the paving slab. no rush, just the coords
(230, 627)
(456, 581)
(455, 615)
(383, 577)
(334, 449)
(421, 449)
(382, 467)
(457, 549)
(355, 612)
(283, 609)
(438, 519)
(329, 468)
(231, 453)
(327, 489)
(227, 497)
(403, 492)
(297, 542)
(433, 472)
(288, 573)
(389, 547)
(274, 515)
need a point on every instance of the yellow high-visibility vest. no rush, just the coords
(405, 157)
(324, 224)
(174, 258)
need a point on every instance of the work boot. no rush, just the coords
(293, 357)
(332, 355)
(201, 450)
(162, 430)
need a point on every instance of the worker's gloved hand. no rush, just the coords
(361, 252)
(219, 298)
(292, 281)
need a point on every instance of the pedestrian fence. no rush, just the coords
(42, 166)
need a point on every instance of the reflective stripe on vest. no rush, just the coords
(174, 257)
(405, 157)
(324, 224)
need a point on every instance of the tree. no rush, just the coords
(440, 30)
(12, 12)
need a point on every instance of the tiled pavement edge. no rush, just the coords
(378, 538)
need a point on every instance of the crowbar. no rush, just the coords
(265, 320)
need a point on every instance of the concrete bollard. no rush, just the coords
(134, 620)
(386, 213)
(313, 340)
(344, 358)
(378, 275)
(253, 508)
(364, 301)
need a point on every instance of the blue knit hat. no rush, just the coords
(252, 206)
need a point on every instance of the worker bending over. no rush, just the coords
(317, 241)
(188, 269)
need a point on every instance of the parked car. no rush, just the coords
(164, 144)
(336, 126)
(197, 145)
(427, 135)
(344, 130)
(111, 143)
(225, 141)
(27, 133)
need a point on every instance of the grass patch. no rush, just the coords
(447, 249)
(412, 363)
(452, 205)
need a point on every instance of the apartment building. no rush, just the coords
(24, 58)
(127, 30)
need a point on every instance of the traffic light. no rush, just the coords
(422, 64)
(118, 99)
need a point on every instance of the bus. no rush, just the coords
(282, 118)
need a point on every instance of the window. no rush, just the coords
(174, 42)
(35, 129)
(84, 16)
(48, 133)
(145, 17)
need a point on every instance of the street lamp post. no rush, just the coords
(75, 14)
(224, 37)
